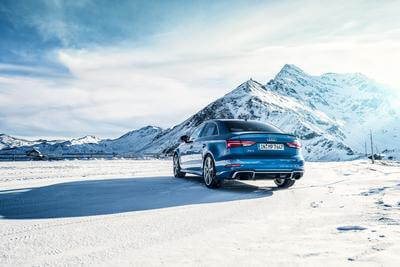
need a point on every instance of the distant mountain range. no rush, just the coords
(332, 114)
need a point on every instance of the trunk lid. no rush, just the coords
(268, 144)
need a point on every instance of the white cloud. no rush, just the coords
(164, 80)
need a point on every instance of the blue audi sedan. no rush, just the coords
(239, 149)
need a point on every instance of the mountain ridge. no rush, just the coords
(330, 114)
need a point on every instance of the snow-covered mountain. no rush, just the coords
(331, 114)
(7, 141)
(355, 103)
(131, 142)
(135, 141)
(88, 139)
(321, 136)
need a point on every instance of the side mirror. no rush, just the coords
(185, 138)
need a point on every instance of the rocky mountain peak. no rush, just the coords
(149, 129)
(290, 70)
(247, 89)
(88, 139)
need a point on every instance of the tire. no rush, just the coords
(177, 168)
(284, 183)
(209, 173)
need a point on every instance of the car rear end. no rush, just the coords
(261, 154)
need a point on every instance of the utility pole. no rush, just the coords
(366, 152)
(372, 148)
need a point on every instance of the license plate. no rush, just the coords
(271, 147)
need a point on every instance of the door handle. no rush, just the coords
(191, 146)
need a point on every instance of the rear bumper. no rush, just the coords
(290, 168)
(255, 175)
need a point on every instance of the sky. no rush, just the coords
(104, 67)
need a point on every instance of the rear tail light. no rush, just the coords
(294, 144)
(232, 165)
(238, 143)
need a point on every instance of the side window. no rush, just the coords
(196, 132)
(204, 132)
(215, 131)
(209, 130)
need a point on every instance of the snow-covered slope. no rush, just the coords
(332, 114)
(131, 142)
(356, 103)
(134, 141)
(320, 134)
(133, 213)
(88, 139)
(7, 142)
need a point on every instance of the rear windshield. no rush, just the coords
(250, 126)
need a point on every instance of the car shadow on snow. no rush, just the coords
(111, 196)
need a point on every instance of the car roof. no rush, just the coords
(223, 120)
(226, 120)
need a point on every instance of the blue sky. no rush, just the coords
(71, 68)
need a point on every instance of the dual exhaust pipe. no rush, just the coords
(253, 175)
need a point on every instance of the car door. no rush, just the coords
(200, 143)
(186, 150)
(183, 154)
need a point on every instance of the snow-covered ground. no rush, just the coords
(125, 212)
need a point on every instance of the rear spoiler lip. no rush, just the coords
(253, 132)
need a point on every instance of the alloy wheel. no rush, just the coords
(176, 165)
(284, 183)
(209, 172)
(279, 182)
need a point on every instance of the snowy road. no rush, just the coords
(113, 213)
